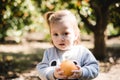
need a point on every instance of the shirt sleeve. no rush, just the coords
(89, 65)
(44, 70)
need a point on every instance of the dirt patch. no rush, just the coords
(108, 71)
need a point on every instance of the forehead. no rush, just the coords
(61, 26)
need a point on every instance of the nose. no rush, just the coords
(62, 37)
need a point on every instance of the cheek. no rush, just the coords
(54, 39)
(71, 37)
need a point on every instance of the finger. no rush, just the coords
(58, 69)
(78, 66)
(75, 75)
(62, 77)
(75, 71)
(60, 72)
(70, 77)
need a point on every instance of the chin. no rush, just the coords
(64, 48)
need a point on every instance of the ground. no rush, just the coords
(113, 74)
(108, 71)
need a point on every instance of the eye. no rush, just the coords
(54, 63)
(66, 33)
(75, 62)
(55, 34)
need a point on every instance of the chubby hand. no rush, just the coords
(76, 73)
(58, 73)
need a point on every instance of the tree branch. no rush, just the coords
(101, 13)
(97, 11)
(90, 26)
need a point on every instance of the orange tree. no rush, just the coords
(102, 13)
(14, 15)
(96, 14)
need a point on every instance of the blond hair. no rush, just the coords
(61, 16)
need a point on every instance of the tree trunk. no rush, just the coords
(99, 45)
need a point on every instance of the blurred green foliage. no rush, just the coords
(111, 30)
(21, 16)
(18, 17)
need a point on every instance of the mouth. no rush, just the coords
(62, 44)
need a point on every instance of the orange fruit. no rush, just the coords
(67, 66)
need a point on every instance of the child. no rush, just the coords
(65, 37)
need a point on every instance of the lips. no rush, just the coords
(62, 44)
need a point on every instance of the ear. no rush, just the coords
(53, 63)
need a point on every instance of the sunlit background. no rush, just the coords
(24, 34)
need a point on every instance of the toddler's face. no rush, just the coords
(63, 35)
